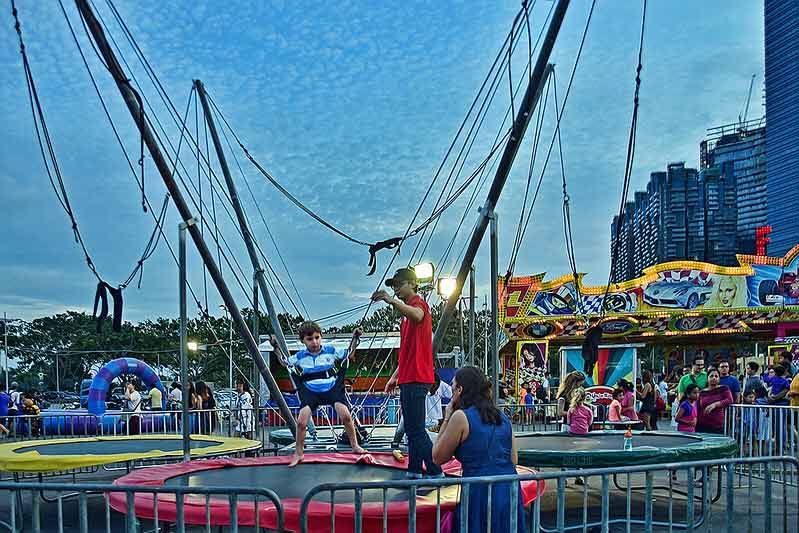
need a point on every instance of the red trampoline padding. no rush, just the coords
(319, 510)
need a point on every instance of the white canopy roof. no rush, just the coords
(369, 341)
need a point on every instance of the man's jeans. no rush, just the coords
(420, 448)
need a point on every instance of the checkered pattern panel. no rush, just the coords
(698, 277)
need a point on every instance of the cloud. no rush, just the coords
(352, 107)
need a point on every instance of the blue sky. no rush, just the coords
(351, 105)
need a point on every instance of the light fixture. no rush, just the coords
(446, 286)
(192, 346)
(424, 272)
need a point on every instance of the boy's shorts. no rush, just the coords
(315, 399)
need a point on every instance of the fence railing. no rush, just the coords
(669, 496)
(603, 497)
(765, 430)
(115, 508)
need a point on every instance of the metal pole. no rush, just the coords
(471, 317)
(485, 333)
(184, 358)
(242, 219)
(494, 308)
(132, 101)
(538, 79)
(460, 331)
(5, 346)
(57, 384)
(230, 353)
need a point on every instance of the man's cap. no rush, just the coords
(402, 274)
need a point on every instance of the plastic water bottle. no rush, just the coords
(628, 440)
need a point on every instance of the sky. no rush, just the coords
(351, 106)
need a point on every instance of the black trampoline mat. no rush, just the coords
(600, 442)
(113, 447)
(298, 481)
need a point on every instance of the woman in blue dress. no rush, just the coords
(480, 436)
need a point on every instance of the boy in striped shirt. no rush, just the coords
(319, 375)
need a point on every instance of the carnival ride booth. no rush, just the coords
(296, 487)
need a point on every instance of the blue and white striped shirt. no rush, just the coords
(309, 363)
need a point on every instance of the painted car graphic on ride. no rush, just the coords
(685, 294)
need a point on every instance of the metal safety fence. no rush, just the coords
(697, 496)
(765, 430)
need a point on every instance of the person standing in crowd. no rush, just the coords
(779, 387)
(32, 413)
(697, 376)
(133, 406)
(663, 388)
(580, 416)
(752, 380)
(646, 394)
(175, 396)
(570, 383)
(481, 438)
(786, 360)
(793, 392)
(5, 402)
(16, 399)
(156, 399)
(712, 405)
(244, 410)
(628, 401)
(433, 401)
(207, 403)
(730, 381)
(414, 373)
(686, 411)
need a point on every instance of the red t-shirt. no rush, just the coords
(416, 347)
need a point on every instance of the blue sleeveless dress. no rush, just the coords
(486, 452)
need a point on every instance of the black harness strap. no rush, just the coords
(387, 244)
(101, 297)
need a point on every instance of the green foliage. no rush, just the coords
(71, 339)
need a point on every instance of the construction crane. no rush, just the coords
(742, 117)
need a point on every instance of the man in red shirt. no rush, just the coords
(414, 374)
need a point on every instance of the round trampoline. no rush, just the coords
(291, 485)
(41, 456)
(600, 449)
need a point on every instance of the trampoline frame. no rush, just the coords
(32, 462)
(426, 508)
(705, 446)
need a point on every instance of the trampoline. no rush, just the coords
(57, 455)
(600, 449)
(291, 485)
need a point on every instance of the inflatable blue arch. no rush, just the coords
(124, 365)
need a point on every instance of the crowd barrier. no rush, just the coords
(648, 499)
(765, 430)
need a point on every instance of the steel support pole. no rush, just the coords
(538, 79)
(494, 307)
(472, 316)
(132, 101)
(184, 357)
(5, 346)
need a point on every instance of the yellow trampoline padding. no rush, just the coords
(14, 457)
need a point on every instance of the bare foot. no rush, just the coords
(358, 449)
(295, 460)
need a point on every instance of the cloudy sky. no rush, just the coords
(351, 106)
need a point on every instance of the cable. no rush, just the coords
(628, 166)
